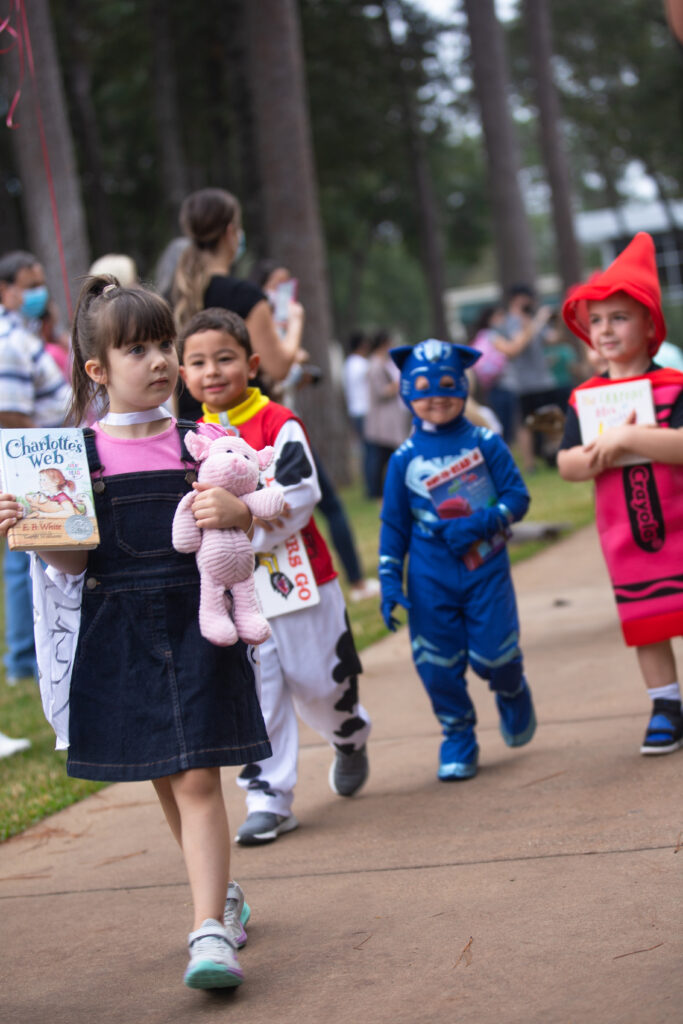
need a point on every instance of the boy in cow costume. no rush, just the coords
(639, 507)
(309, 663)
(457, 614)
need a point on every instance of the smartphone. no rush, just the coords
(281, 297)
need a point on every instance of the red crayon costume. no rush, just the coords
(639, 509)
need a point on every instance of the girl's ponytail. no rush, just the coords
(204, 217)
(83, 346)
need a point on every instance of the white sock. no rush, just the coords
(670, 692)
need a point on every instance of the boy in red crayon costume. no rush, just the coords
(639, 508)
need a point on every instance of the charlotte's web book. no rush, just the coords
(458, 490)
(284, 578)
(46, 469)
(610, 405)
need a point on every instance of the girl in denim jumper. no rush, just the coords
(150, 698)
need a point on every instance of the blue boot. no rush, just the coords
(517, 716)
(459, 755)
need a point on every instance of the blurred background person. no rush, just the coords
(33, 393)
(387, 422)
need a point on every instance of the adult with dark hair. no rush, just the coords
(33, 393)
(526, 373)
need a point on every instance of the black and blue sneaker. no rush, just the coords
(517, 716)
(664, 733)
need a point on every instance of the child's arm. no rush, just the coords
(70, 562)
(511, 504)
(394, 539)
(647, 440)
(585, 462)
(293, 469)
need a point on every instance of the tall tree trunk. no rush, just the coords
(514, 246)
(540, 51)
(38, 211)
(431, 243)
(290, 202)
(78, 82)
(174, 176)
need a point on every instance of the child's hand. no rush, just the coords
(10, 512)
(217, 509)
(387, 606)
(271, 524)
(607, 449)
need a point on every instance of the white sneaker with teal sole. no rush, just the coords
(213, 961)
(236, 914)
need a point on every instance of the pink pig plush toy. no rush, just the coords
(225, 558)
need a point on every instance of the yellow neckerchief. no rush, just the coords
(253, 403)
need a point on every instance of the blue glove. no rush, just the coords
(392, 594)
(460, 534)
(387, 607)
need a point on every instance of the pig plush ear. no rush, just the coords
(197, 445)
(265, 456)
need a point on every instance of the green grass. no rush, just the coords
(34, 783)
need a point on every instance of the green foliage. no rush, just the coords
(620, 77)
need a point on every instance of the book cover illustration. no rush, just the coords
(46, 469)
(284, 578)
(458, 490)
(610, 405)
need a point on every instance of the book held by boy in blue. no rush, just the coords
(458, 490)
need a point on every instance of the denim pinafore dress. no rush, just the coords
(149, 695)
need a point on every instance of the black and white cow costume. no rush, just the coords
(309, 665)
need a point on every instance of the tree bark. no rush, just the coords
(540, 51)
(78, 82)
(514, 246)
(431, 243)
(26, 138)
(290, 203)
(174, 175)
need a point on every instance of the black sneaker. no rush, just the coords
(665, 730)
(349, 772)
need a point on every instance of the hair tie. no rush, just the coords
(108, 288)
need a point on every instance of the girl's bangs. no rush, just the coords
(138, 315)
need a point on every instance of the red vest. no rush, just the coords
(262, 429)
(639, 515)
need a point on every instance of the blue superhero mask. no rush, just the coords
(34, 302)
(424, 366)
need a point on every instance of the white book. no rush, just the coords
(284, 578)
(610, 405)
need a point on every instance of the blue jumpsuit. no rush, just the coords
(457, 615)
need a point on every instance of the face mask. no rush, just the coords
(34, 302)
(433, 359)
(241, 245)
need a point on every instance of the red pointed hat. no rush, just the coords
(634, 271)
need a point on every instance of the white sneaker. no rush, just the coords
(365, 589)
(9, 746)
(213, 962)
(236, 914)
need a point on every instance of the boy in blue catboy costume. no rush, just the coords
(457, 615)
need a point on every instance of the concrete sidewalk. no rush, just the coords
(548, 889)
